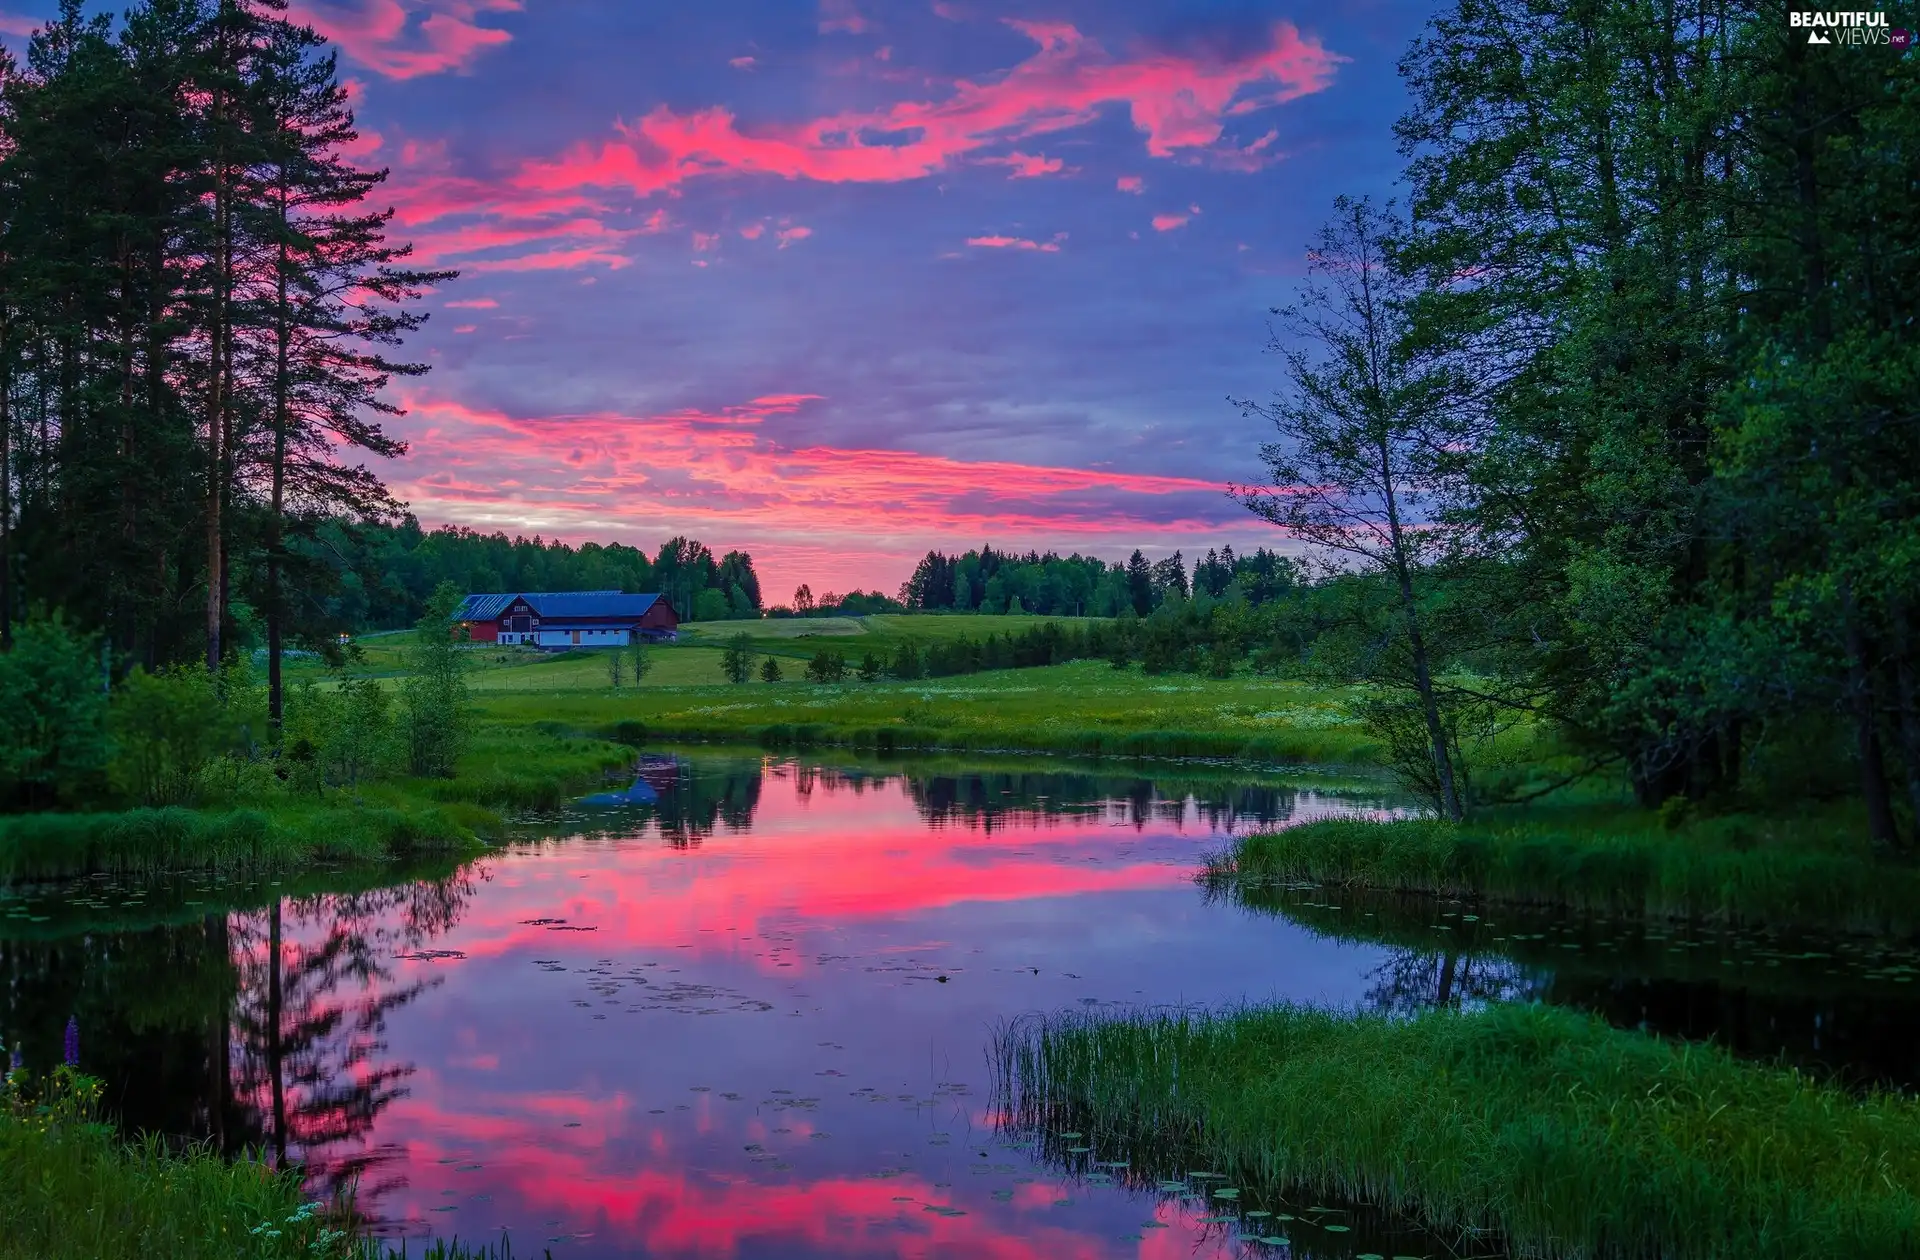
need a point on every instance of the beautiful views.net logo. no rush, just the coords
(1849, 28)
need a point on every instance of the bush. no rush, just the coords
(52, 691)
(827, 667)
(168, 727)
(770, 670)
(338, 736)
(435, 709)
(737, 661)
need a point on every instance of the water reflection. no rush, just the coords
(1842, 1005)
(739, 1011)
(726, 792)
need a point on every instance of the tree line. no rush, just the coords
(990, 581)
(198, 311)
(1619, 410)
(380, 576)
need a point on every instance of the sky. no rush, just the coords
(838, 281)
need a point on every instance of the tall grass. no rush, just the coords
(236, 842)
(1569, 1138)
(1802, 870)
(71, 1190)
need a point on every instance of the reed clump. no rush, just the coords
(1566, 1137)
(1789, 871)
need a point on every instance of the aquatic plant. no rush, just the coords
(1569, 1138)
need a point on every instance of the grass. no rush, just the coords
(527, 766)
(1807, 868)
(1569, 1138)
(235, 842)
(71, 1190)
(1084, 708)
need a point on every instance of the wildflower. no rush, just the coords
(70, 1049)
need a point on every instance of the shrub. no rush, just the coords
(770, 670)
(53, 693)
(435, 708)
(737, 661)
(168, 726)
(827, 667)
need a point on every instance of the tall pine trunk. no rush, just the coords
(276, 616)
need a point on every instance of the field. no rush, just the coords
(1084, 707)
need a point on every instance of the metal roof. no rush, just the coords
(482, 607)
(559, 605)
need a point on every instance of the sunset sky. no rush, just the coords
(838, 282)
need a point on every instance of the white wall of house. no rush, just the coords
(608, 637)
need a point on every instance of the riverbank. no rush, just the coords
(257, 823)
(1809, 868)
(1565, 1136)
(71, 1190)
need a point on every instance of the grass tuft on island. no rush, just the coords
(1567, 1137)
(1805, 869)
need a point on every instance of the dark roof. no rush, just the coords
(481, 607)
(566, 605)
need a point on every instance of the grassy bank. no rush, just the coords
(1084, 708)
(259, 825)
(1809, 869)
(71, 1190)
(1569, 1138)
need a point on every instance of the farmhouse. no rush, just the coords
(563, 619)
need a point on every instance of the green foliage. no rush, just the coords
(339, 735)
(1565, 1137)
(170, 725)
(736, 663)
(435, 707)
(826, 667)
(53, 691)
(770, 670)
(639, 660)
(616, 669)
(870, 667)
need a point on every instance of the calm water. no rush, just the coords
(742, 1007)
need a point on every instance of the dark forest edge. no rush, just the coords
(1538, 1128)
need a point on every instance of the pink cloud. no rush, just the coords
(465, 328)
(392, 38)
(1026, 165)
(1130, 184)
(788, 236)
(704, 241)
(18, 25)
(1168, 222)
(1179, 103)
(551, 260)
(840, 15)
(474, 304)
(753, 231)
(742, 63)
(1015, 242)
(724, 473)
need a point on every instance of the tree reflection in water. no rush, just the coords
(315, 984)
